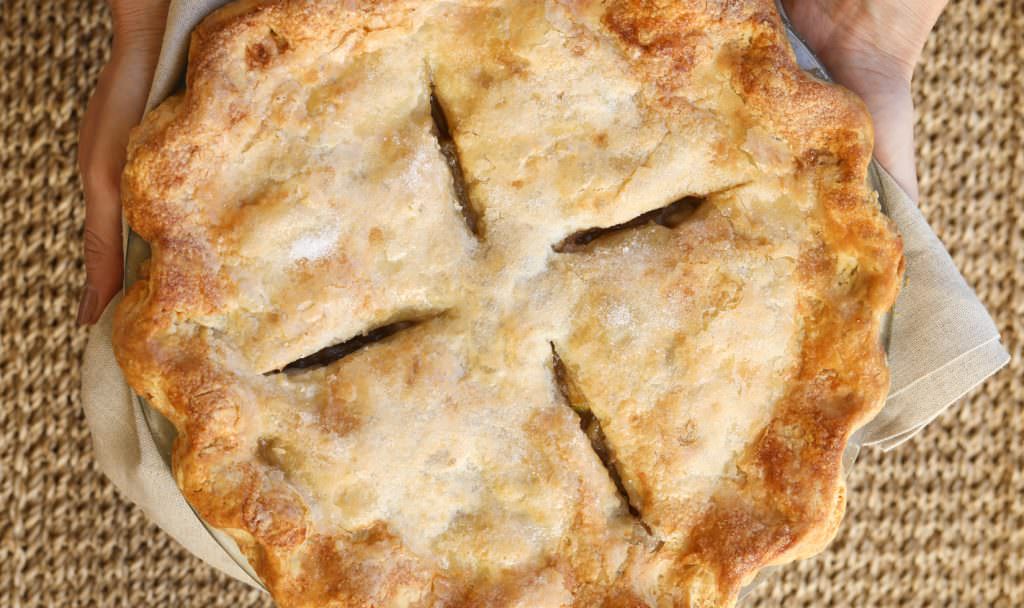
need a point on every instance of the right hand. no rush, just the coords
(871, 47)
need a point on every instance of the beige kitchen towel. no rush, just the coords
(943, 343)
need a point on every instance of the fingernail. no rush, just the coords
(87, 306)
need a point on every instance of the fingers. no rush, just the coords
(115, 107)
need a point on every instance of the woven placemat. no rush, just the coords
(938, 522)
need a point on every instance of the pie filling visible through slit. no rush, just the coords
(508, 303)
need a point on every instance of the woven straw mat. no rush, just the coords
(938, 522)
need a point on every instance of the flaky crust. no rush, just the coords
(642, 417)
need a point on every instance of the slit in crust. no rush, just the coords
(574, 398)
(450, 151)
(335, 352)
(670, 216)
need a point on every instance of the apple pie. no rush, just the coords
(524, 303)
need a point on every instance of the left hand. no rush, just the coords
(115, 107)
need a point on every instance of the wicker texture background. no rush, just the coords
(939, 522)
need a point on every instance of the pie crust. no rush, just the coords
(607, 279)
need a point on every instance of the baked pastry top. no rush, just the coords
(508, 303)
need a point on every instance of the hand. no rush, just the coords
(114, 108)
(871, 48)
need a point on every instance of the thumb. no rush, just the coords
(114, 108)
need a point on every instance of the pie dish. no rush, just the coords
(503, 303)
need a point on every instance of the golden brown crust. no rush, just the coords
(295, 195)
